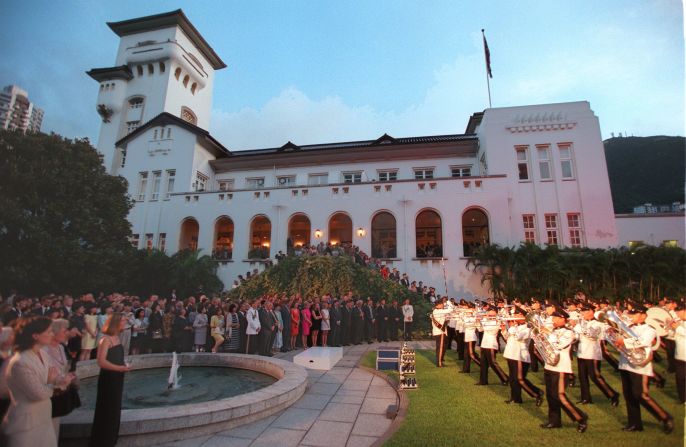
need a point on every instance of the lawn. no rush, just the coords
(448, 410)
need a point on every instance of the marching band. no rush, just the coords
(549, 333)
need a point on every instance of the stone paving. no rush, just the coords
(343, 407)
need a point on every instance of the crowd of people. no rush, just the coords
(529, 333)
(49, 335)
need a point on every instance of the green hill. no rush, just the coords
(645, 170)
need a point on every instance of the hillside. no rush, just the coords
(645, 169)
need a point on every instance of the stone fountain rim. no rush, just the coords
(291, 381)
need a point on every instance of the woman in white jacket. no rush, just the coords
(30, 381)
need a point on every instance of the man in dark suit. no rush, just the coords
(381, 317)
(357, 323)
(242, 326)
(368, 320)
(286, 332)
(335, 319)
(395, 318)
(267, 329)
(345, 323)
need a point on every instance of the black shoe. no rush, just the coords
(614, 400)
(630, 428)
(582, 427)
(480, 384)
(539, 400)
(549, 425)
(668, 426)
(584, 402)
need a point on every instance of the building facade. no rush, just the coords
(17, 112)
(422, 204)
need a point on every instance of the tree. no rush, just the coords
(63, 225)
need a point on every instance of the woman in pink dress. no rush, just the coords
(306, 317)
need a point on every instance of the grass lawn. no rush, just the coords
(448, 410)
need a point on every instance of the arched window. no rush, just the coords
(136, 102)
(185, 80)
(384, 243)
(474, 231)
(429, 235)
(298, 232)
(194, 87)
(260, 237)
(162, 67)
(139, 69)
(188, 115)
(223, 239)
(151, 69)
(340, 229)
(189, 234)
(177, 73)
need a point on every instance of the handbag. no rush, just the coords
(65, 402)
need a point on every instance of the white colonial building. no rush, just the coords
(532, 173)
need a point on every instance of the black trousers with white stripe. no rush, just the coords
(555, 384)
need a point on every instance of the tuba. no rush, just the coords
(541, 342)
(617, 329)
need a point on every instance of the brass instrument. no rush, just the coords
(618, 329)
(541, 342)
(587, 331)
(660, 320)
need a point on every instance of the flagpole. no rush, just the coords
(488, 63)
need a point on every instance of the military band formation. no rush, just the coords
(548, 333)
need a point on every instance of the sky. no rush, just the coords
(325, 71)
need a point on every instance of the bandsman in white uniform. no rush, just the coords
(517, 337)
(438, 327)
(489, 347)
(470, 339)
(556, 375)
(635, 378)
(589, 354)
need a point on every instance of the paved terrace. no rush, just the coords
(343, 407)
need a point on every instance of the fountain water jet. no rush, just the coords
(174, 376)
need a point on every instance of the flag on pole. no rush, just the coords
(487, 53)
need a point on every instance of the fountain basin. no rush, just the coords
(149, 426)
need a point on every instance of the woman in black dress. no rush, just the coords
(316, 322)
(105, 429)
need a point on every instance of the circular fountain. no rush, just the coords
(216, 392)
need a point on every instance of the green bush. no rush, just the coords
(313, 276)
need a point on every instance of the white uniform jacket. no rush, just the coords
(561, 339)
(517, 346)
(253, 318)
(490, 337)
(645, 337)
(590, 334)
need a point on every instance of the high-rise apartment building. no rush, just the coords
(17, 112)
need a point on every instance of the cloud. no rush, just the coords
(293, 116)
(620, 80)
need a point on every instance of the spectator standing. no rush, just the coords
(306, 316)
(30, 381)
(408, 316)
(200, 329)
(326, 323)
(90, 333)
(105, 429)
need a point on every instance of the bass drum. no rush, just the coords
(659, 319)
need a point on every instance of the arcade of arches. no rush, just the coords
(428, 234)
